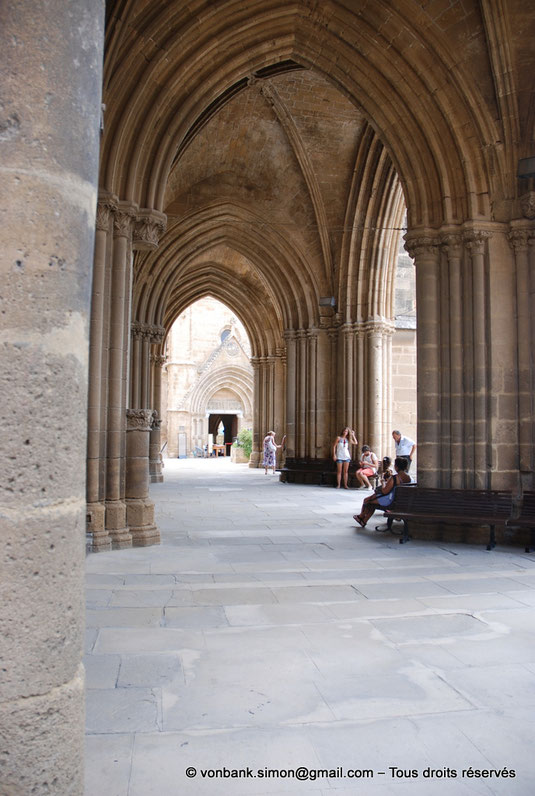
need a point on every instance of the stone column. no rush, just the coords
(135, 366)
(452, 245)
(96, 463)
(291, 392)
(155, 456)
(139, 509)
(120, 296)
(256, 453)
(426, 254)
(51, 65)
(374, 397)
(519, 240)
(324, 392)
(475, 243)
(312, 397)
(346, 359)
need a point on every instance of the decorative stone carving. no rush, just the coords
(518, 239)
(149, 226)
(424, 246)
(104, 209)
(122, 223)
(156, 421)
(139, 419)
(154, 334)
(475, 241)
(527, 204)
(452, 245)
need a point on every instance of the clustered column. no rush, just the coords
(122, 228)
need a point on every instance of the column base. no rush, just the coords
(145, 535)
(255, 459)
(116, 525)
(140, 518)
(98, 537)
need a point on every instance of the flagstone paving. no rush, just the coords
(268, 646)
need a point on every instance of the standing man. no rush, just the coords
(405, 447)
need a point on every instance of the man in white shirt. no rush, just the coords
(405, 447)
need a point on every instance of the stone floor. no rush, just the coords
(268, 633)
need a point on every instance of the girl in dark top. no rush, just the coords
(384, 494)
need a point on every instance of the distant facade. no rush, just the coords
(207, 379)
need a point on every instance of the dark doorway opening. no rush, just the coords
(230, 428)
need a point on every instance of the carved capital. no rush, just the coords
(475, 241)
(159, 360)
(156, 420)
(421, 247)
(518, 239)
(122, 223)
(149, 226)
(105, 208)
(452, 246)
(527, 204)
(139, 419)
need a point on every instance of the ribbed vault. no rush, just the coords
(433, 105)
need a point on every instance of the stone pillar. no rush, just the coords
(346, 359)
(256, 453)
(374, 397)
(312, 396)
(452, 246)
(519, 240)
(155, 456)
(291, 392)
(118, 349)
(426, 254)
(475, 243)
(51, 64)
(139, 509)
(301, 407)
(96, 463)
(324, 392)
(135, 366)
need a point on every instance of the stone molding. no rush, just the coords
(139, 419)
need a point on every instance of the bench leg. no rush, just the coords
(405, 535)
(492, 539)
(531, 544)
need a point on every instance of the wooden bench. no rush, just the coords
(526, 518)
(451, 506)
(321, 472)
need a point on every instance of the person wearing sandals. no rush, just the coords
(341, 454)
(367, 467)
(384, 494)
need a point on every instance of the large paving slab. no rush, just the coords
(268, 646)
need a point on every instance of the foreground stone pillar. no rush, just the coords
(139, 509)
(50, 59)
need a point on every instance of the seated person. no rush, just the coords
(384, 494)
(386, 469)
(367, 467)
